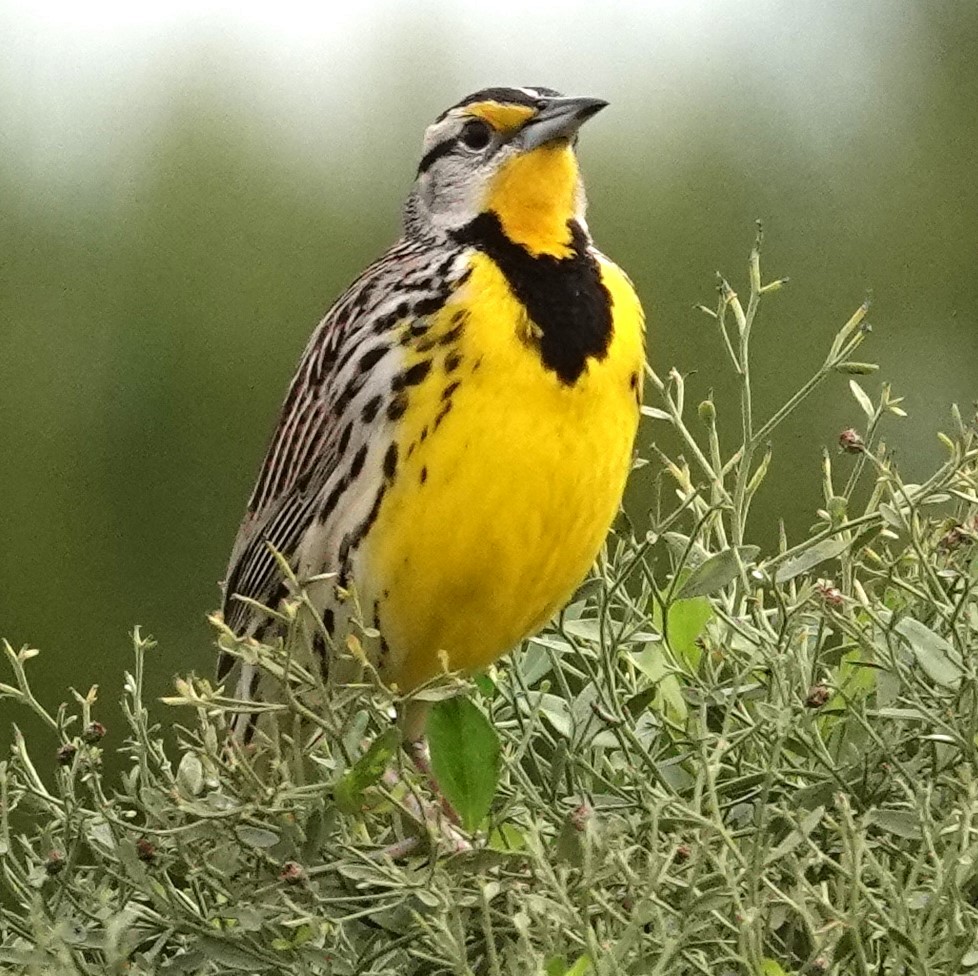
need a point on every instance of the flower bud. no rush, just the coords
(292, 873)
(818, 695)
(707, 412)
(851, 442)
(94, 732)
(580, 817)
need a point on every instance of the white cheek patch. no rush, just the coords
(452, 193)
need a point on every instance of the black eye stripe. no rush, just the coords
(446, 146)
(436, 152)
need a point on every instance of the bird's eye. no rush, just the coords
(475, 135)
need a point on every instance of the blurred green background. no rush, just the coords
(185, 188)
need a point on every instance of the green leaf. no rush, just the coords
(807, 824)
(858, 369)
(506, 838)
(810, 558)
(557, 966)
(936, 656)
(366, 771)
(655, 413)
(465, 757)
(682, 548)
(861, 398)
(716, 572)
(226, 953)
(685, 622)
(903, 823)
(769, 967)
(256, 836)
(587, 630)
(553, 708)
(855, 678)
(190, 775)
(668, 698)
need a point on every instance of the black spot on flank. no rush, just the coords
(411, 376)
(633, 381)
(343, 579)
(441, 272)
(442, 414)
(357, 466)
(446, 394)
(424, 434)
(385, 323)
(347, 394)
(424, 474)
(390, 462)
(351, 350)
(452, 335)
(428, 306)
(329, 621)
(452, 361)
(455, 332)
(344, 441)
(565, 297)
(366, 293)
(426, 344)
(402, 310)
(397, 407)
(418, 329)
(370, 409)
(334, 495)
(371, 357)
(342, 400)
(476, 364)
(364, 527)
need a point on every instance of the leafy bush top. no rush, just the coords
(717, 760)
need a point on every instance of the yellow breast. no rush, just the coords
(507, 482)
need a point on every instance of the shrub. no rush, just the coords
(717, 760)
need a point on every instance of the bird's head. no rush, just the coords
(507, 152)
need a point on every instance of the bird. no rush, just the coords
(454, 446)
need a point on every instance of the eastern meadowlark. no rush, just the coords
(455, 443)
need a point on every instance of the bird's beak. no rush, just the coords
(560, 118)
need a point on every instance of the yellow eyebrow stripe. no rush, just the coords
(503, 118)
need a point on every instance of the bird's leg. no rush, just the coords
(440, 816)
(421, 757)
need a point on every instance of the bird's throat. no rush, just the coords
(535, 197)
